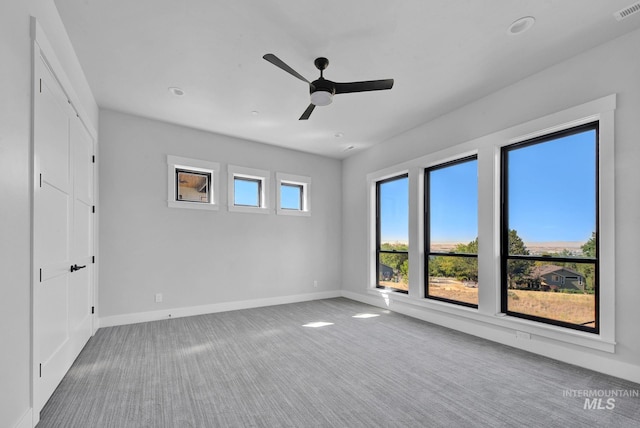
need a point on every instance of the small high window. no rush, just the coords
(193, 186)
(192, 183)
(248, 190)
(293, 194)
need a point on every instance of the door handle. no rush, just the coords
(76, 267)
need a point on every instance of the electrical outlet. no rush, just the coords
(315, 283)
(158, 297)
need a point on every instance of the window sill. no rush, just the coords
(251, 210)
(298, 213)
(193, 205)
(560, 334)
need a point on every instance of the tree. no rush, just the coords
(466, 268)
(461, 268)
(517, 270)
(589, 247)
(588, 270)
(396, 261)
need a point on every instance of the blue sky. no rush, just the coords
(454, 203)
(246, 193)
(394, 210)
(290, 197)
(552, 189)
(551, 195)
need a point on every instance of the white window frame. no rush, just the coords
(196, 165)
(488, 150)
(295, 180)
(242, 172)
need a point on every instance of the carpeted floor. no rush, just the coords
(264, 368)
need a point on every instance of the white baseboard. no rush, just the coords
(164, 314)
(26, 421)
(590, 359)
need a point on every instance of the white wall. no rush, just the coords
(607, 69)
(15, 176)
(200, 257)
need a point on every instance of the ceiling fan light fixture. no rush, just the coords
(321, 98)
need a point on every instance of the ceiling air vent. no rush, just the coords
(627, 11)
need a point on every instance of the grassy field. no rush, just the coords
(396, 285)
(452, 289)
(572, 308)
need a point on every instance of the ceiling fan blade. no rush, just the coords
(370, 85)
(307, 112)
(279, 63)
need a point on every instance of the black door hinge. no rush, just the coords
(93, 209)
(93, 259)
(93, 159)
(40, 180)
(40, 85)
(40, 369)
(93, 308)
(40, 275)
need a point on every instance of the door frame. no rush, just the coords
(43, 53)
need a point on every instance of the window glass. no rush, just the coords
(452, 232)
(550, 260)
(393, 233)
(552, 194)
(193, 186)
(291, 196)
(247, 192)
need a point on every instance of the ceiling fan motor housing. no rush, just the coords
(322, 92)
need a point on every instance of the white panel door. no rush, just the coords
(62, 235)
(80, 282)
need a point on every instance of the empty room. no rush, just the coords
(319, 214)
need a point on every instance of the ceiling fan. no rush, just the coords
(323, 90)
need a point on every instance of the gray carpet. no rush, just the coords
(262, 368)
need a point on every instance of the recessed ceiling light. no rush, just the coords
(521, 25)
(349, 148)
(255, 112)
(176, 91)
(338, 135)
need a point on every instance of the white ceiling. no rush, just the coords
(442, 54)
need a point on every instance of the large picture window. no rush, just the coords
(451, 232)
(549, 248)
(392, 233)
